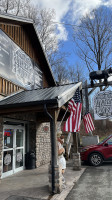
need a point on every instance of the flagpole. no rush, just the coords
(62, 119)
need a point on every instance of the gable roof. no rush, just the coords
(29, 25)
(54, 97)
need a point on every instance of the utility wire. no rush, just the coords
(74, 25)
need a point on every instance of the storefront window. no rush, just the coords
(8, 138)
(19, 158)
(19, 138)
(7, 160)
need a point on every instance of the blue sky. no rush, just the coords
(70, 12)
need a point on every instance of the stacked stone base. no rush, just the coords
(76, 161)
(58, 180)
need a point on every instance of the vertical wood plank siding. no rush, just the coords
(7, 87)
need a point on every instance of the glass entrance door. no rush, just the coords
(13, 150)
(7, 168)
(19, 150)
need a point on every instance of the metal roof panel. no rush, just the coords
(60, 93)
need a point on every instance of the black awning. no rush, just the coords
(57, 95)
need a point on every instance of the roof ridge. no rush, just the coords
(16, 18)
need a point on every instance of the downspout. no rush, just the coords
(53, 147)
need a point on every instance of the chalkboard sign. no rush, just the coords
(103, 105)
(17, 66)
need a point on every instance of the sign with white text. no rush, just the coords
(103, 105)
(17, 66)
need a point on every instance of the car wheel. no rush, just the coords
(95, 159)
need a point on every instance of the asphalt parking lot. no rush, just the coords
(94, 184)
(21, 198)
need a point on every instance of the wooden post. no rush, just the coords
(86, 97)
(76, 154)
(75, 142)
(55, 174)
(54, 147)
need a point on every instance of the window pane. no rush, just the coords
(19, 138)
(8, 138)
(109, 141)
(19, 158)
(7, 160)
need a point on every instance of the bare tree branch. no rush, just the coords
(94, 39)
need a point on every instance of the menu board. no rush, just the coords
(17, 66)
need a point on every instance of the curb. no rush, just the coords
(66, 191)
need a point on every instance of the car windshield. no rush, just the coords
(103, 140)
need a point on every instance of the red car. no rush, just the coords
(96, 154)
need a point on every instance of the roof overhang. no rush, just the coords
(53, 97)
(67, 95)
(9, 18)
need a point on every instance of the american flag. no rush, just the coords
(73, 122)
(88, 123)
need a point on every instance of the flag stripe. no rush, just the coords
(77, 118)
(91, 123)
(88, 123)
(73, 122)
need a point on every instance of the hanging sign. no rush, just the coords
(103, 105)
(8, 132)
(8, 140)
(17, 66)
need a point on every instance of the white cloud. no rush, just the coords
(62, 33)
(108, 3)
(81, 8)
(110, 78)
(61, 8)
(75, 9)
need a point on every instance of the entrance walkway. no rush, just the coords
(33, 184)
(29, 183)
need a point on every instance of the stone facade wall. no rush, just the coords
(1, 144)
(32, 136)
(43, 144)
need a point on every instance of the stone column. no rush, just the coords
(76, 161)
(76, 154)
(43, 144)
(58, 179)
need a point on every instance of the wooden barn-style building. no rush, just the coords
(30, 101)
